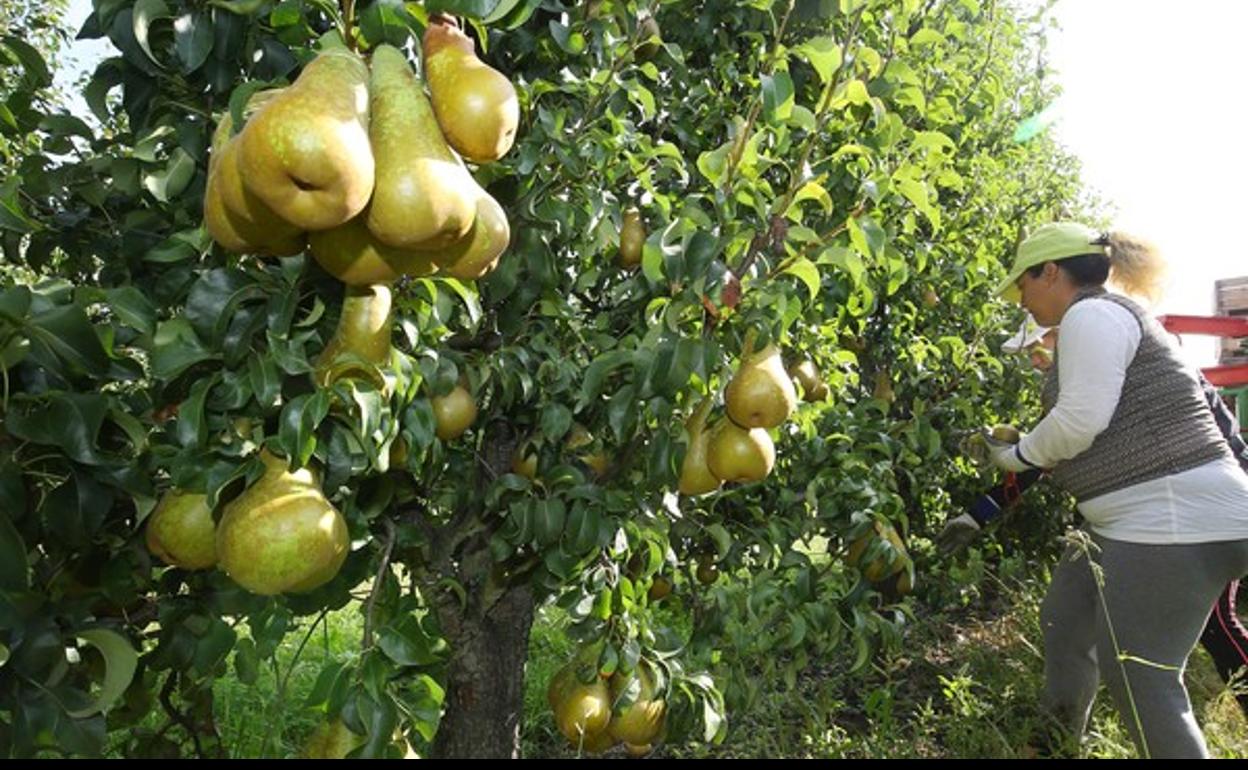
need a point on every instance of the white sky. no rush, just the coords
(1152, 107)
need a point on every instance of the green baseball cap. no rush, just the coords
(1049, 243)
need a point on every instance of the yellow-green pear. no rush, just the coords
(181, 532)
(632, 238)
(806, 374)
(281, 534)
(761, 394)
(425, 197)
(476, 105)
(477, 253)
(234, 217)
(306, 152)
(332, 740)
(361, 342)
(640, 722)
(695, 475)
(353, 255)
(883, 387)
(739, 454)
(584, 711)
(454, 413)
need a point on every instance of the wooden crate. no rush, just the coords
(1231, 298)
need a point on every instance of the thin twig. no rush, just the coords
(378, 582)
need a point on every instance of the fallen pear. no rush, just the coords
(306, 152)
(281, 534)
(475, 104)
(761, 393)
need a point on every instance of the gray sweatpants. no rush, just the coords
(1156, 601)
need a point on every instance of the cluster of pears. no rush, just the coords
(280, 535)
(354, 161)
(596, 713)
(888, 562)
(357, 164)
(759, 397)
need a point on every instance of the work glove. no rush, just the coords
(959, 532)
(1008, 456)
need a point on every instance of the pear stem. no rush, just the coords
(382, 569)
(348, 21)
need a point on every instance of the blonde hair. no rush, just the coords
(1136, 266)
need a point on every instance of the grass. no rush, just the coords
(967, 684)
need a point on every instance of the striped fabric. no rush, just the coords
(1162, 424)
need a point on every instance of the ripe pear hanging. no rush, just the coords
(695, 475)
(361, 342)
(235, 217)
(739, 454)
(478, 252)
(476, 105)
(761, 394)
(281, 534)
(425, 197)
(181, 532)
(632, 238)
(306, 152)
(353, 255)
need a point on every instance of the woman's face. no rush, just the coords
(1041, 295)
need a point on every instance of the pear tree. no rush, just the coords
(457, 312)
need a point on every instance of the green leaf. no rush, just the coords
(133, 308)
(926, 36)
(823, 53)
(713, 164)
(777, 97)
(120, 662)
(596, 375)
(171, 180)
(70, 421)
(66, 125)
(37, 74)
(192, 40)
(476, 9)
(67, 333)
(14, 566)
(551, 515)
(813, 191)
(266, 380)
(556, 420)
(176, 348)
(406, 643)
(147, 12)
(847, 259)
(246, 661)
(808, 273)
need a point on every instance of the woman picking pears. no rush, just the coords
(1129, 434)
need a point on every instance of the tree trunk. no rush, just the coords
(485, 682)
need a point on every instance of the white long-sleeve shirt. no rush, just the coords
(1209, 503)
